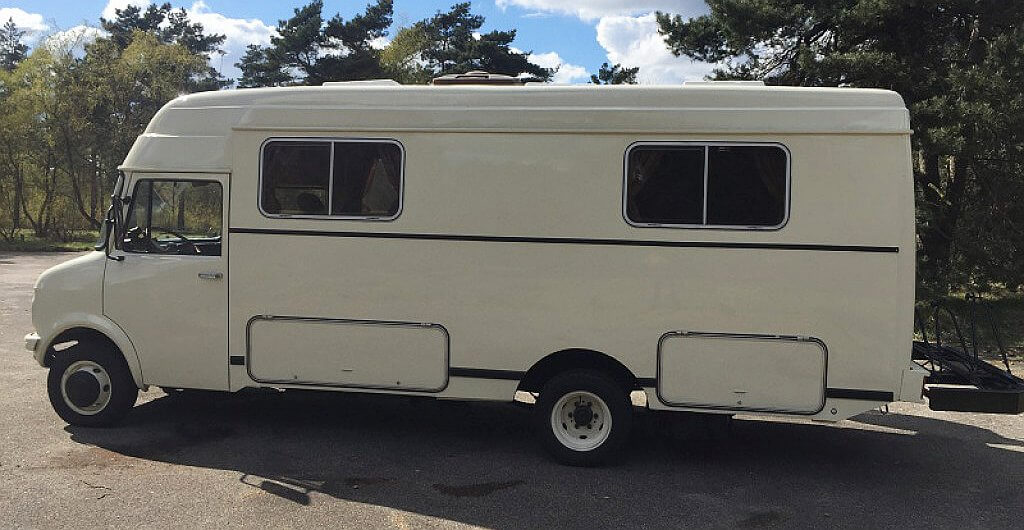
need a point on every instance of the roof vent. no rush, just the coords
(478, 77)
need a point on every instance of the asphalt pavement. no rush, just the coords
(299, 459)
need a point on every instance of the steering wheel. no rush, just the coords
(195, 249)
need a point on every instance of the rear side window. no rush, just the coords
(331, 178)
(707, 185)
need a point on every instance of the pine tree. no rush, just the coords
(453, 44)
(614, 75)
(169, 26)
(12, 49)
(309, 51)
(959, 65)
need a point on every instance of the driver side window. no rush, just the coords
(176, 217)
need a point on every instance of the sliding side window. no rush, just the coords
(324, 178)
(707, 186)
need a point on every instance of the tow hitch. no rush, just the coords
(958, 378)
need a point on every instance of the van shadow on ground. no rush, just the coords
(479, 464)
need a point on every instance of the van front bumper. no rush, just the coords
(32, 342)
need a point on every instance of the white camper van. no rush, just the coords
(722, 248)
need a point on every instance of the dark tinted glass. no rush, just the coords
(367, 179)
(665, 185)
(746, 185)
(295, 178)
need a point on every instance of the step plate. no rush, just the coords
(968, 399)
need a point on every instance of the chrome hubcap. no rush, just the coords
(85, 387)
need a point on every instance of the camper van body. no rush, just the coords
(510, 254)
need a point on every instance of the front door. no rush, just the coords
(167, 284)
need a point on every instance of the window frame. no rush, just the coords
(330, 183)
(135, 182)
(706, 145)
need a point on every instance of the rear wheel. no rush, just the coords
(89, 384)
(584, 417)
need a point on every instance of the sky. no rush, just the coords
(574, 35)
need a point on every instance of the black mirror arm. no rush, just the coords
(111, 226)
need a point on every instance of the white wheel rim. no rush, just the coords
(569, 421)
(102, 378)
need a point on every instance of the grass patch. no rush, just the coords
(26, 241)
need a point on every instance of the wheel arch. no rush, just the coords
(102, 332)
(576, 358)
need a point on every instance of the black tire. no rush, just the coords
(122, 391)
(615, 398)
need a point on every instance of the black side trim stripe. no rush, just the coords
(237, 360)
(481, 373)
(570, 240)
(646, 382)
(864, 395)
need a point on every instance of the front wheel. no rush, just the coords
(90, 385)
(584, 417)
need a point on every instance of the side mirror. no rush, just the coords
(112, 226)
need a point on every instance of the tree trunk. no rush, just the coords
(76, 189)
(94, 191)
(181, 212)
(19, 191)
(943, 207)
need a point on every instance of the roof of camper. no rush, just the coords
(191, 132)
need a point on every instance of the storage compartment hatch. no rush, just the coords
(767, 373)
(348, 353)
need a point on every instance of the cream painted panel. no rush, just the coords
(400, 356)
(846, 190)
(742, 373)
(175, 318)
(506, 305)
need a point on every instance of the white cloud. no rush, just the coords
(31, 23)
(635, 41)
(109, 11)
(237, 30)
(594, 9)
(567, 73)
(238, 33)
(628, 32)
(74, 38)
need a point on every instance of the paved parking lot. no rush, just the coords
(303, 459)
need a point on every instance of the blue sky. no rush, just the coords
(577, 35)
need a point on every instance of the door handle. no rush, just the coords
(211, 275)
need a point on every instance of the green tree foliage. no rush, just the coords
(959, 65)
(402, 58)
(168, 26)
(12, 49)
(614, 75)
(453, 44)
(259, 70)
(68, 119)
(307, 50)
